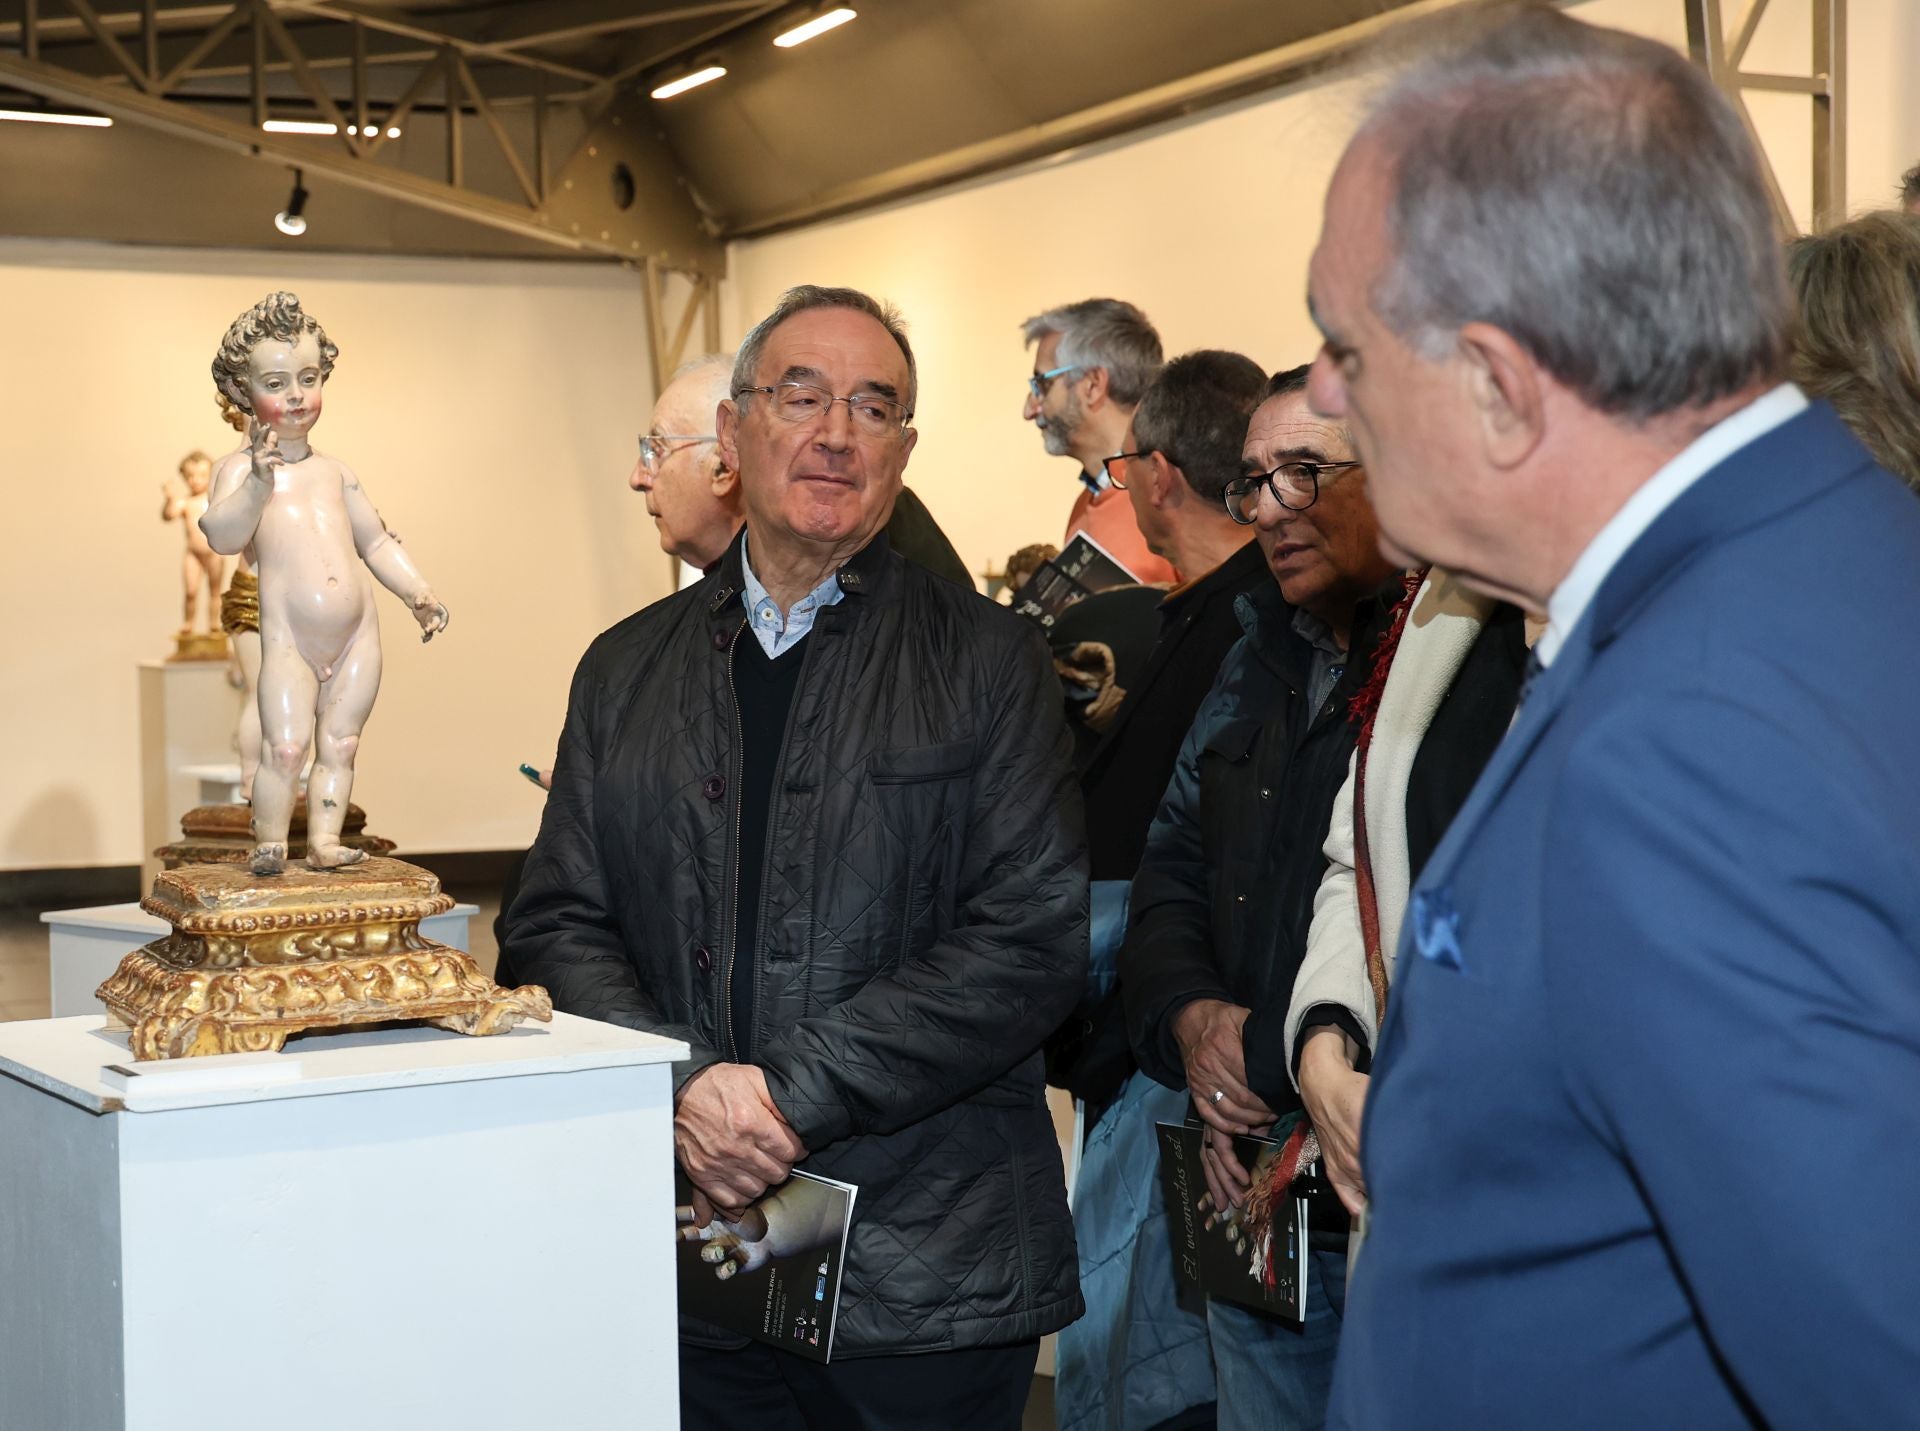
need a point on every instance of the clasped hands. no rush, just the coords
(1208, 1033)
(731, 1140)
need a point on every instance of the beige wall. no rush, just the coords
(491, 409)
(1207, 225)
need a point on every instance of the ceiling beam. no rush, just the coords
(556, 22)
(376, 19)
(1237, 79)
(187, 122)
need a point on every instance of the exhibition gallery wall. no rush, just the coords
(491, 407)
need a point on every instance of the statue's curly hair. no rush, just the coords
(278, 315)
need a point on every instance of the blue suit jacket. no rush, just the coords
(1643, 1140)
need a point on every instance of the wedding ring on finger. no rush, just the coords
(1219, 1095)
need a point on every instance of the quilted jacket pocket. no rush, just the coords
(906, 764)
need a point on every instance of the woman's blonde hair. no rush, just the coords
(1858, 340)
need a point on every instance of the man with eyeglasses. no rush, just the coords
(694, 497)
(1092, 362)
(816, 817)
(1138, 1359)
(1224, 896)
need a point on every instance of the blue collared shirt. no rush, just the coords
(779, 634)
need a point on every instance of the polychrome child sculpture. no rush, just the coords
(311, 527)
(201, 571)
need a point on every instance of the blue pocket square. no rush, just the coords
(1436, 927)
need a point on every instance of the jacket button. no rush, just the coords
(720, 639)
(714, 786)
(1239, 899)
(703, 959)
(1266, 792)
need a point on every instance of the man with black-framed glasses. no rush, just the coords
(1092, 363)
(1223, 900)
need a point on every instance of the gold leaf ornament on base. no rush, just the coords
(250, 962)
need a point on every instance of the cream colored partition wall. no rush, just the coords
(1207, 224)
(490, 408)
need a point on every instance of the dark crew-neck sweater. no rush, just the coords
(763, 688)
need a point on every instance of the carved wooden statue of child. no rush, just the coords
(311, 526)
(201, 571)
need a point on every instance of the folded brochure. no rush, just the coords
(1254, 1255)
(775, 1274)
(1082, 569)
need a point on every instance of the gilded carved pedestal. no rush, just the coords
(252, 960)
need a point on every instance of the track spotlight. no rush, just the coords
(289, 220)
(818, 25)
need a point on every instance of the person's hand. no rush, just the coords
(1208, 1032)
(730, 1138)
(1334, 1096)
(263, 446)
(1227, 1181)
(431, 615)
(730, 1248)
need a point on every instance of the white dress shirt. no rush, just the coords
(1577, 588)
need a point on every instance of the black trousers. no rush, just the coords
(760, 1389)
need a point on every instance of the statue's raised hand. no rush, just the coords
(431, 615)
(263, 446)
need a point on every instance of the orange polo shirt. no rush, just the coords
(1108, 519)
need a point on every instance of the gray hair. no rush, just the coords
(278, 315)
(1103, 333)
(1590, 193)
(807, 297)
(1910, 186)
(1196, 416)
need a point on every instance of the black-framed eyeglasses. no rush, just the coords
(1040, 382)
(1116, 465)
(1294, 485)
(871, 413)
(656, 447)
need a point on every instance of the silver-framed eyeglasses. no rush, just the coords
(1040, 382)
(871, 413)
(1294, 485)
(656, 447)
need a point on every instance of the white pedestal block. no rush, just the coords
(219, 783)
(86, 945)
(466, 1232)
(187, 715)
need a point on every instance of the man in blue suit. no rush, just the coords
(1643, 1140)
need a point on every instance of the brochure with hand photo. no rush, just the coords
(775, 1274)
(1083, 568)
(1253, 1255)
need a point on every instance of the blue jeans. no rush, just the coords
(1274, 1376)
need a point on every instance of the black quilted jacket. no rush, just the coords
(923, 920)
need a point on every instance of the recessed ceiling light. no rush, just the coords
(687, 82)
(819, 25)
(48, 116)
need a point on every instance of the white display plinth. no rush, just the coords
(219, 784)
(470, 1232)
(84, 946)
(187, 715)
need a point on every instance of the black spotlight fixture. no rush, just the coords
(289, 220)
